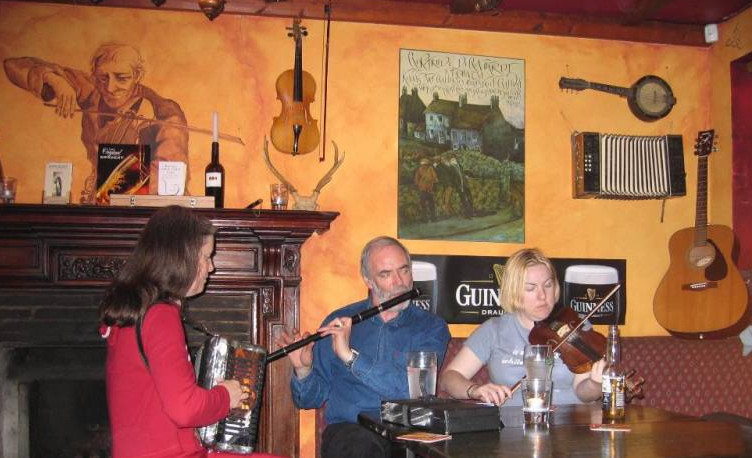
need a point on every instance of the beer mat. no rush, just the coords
(424, 436)
(613, 427)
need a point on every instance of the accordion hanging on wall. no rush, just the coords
(613, 166)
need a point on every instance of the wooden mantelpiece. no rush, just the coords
(55, 262)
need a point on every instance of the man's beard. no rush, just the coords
(382, 296)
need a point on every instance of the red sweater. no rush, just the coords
(153, 412)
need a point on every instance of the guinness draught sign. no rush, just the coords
(463, 289)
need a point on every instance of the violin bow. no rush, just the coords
(582, 321)
(135, 117)
(328, 11)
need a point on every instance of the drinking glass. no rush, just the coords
(278, 193)
(536, 400)
(539, 361)
(8, 190)
(421, 374)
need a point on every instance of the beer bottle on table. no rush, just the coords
(613, 381)
(215, 178)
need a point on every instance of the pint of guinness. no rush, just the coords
(585, 286)
(425, 279)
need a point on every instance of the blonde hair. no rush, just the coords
(513, 278)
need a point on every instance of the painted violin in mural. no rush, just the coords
(295, 131)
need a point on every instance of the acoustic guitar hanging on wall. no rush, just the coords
(650, 98)
(295, 131)
(702, 294)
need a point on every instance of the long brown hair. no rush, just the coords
(161, 268)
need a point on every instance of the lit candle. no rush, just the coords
(215, 122)
(535, 403)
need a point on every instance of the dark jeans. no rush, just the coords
(350, 440)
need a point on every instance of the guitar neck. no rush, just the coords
(701, 210)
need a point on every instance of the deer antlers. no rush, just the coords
(305, 202)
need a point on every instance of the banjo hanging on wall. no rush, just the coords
(650, 98)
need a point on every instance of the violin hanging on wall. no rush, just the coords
(294, 131)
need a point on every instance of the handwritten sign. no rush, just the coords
(445, 76)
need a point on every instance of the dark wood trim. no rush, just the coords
(436, 15)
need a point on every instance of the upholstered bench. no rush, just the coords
(710, 378)
(694, 377)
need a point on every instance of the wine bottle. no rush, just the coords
(215, 178)
(613, 381)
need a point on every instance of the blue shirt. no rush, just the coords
(380, 371)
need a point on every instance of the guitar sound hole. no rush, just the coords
(702, 256)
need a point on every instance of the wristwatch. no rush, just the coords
(355, 354)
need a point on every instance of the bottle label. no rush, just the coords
(613, 393)
(213, 180)
(605, 384)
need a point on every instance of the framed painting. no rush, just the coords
(461, 147)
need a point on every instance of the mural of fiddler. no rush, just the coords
(115, 106)
(461, 147)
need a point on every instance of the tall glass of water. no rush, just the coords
(421, 374)
(539, 361)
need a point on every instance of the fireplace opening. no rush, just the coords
(53, 403)
(68, 419)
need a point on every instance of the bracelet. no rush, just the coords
(470, 390)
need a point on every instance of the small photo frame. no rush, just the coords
(57, 183)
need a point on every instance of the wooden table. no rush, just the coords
(655, 434)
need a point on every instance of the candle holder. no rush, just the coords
(8, 190)
(536, 400)
(279, 194)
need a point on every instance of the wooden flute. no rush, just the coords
(357, 318)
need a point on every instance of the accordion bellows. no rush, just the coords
(627, 166)
(221, 359)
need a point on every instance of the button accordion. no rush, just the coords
(221, 359)
(627, 167)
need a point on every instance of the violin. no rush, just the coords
(579, 348)
(294, 131)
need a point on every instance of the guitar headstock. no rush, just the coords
(297, 31)
(575, 84)
(705, 142)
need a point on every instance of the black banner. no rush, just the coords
(464, 289)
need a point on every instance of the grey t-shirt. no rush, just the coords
(499, 343)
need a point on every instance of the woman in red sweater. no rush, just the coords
(154, 409)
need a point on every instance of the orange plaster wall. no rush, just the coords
(230, 66)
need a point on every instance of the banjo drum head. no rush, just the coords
(653, 98)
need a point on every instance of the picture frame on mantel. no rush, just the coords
(57, 183)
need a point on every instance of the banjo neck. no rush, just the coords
(617, 90)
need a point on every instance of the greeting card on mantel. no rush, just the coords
(171, 178)
(57, 183)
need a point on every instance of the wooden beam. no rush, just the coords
(419, 14)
